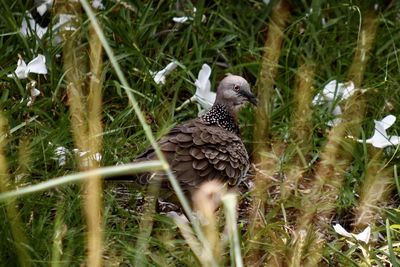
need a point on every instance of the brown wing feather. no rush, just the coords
(198, 152)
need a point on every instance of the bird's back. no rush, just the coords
(197, 152)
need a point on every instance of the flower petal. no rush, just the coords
(159, 77)
(364, 235)
(181, 19)
(46, 5)
(203, 94)
(35, 92)
(380, 139)
(336, 91)
(33, 27)
(37, 65)
(170, 67)
(348, 89)
(65, 22)
(86, 156)
(41, 9)
(341, 231)
(394, 140)
(388, 121)
(333, 92)
(20, 71)
(336, 112)
(184, 19)
(97, 4)
(203, 83)
(30, 102)
(61, 153)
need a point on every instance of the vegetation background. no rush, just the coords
(307, 176)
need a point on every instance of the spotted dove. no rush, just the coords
(208, 147)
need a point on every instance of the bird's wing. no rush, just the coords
(197, 152)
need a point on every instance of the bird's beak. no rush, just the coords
(250, 97)
(253, 100)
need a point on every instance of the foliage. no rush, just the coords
(320, 35)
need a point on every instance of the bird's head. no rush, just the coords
(234, 92)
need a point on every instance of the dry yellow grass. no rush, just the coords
(85, 105)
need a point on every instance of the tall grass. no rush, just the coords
(12, 215)
(306, 175)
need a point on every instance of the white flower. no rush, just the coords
(97, 4)
(266, 2)
(159, 76)
(181, 19)
(33, 27)
(380, 139)
(323, 21)
(86, 156)
(332, 93)
(34, 92)
(37, 65)
(363, 236)
(41, 9)
(61, 156)
(20, 71)
(61, 153)
(336, 112)
(203, 94)
(184, 19)
(63, 21)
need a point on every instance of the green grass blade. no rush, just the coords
(80, 176)
(392, 256)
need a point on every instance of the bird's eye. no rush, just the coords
(236, 87)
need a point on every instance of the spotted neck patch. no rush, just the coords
(219, 115)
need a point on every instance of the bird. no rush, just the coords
(206, 148)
